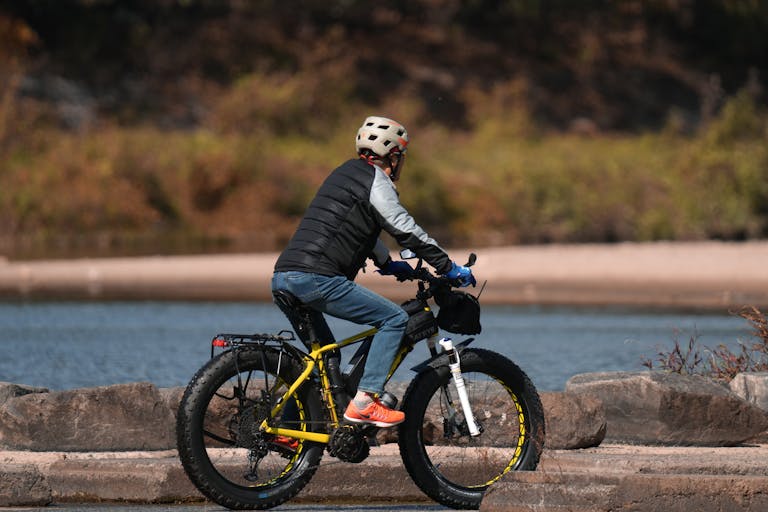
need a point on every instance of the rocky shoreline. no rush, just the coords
(618, 431)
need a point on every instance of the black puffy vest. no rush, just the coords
(339, 229)
(341, 225)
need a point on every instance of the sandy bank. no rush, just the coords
(712, 275)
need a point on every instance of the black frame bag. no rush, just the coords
(459, 312)
(421, 321)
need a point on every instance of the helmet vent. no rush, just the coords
(381, 136)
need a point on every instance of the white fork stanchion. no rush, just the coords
(454, 363)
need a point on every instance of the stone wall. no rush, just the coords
(635, 407)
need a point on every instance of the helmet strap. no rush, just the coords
(396, 166)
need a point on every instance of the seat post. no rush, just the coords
(300, 316)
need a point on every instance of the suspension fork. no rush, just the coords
(454, 364)
(445, 398)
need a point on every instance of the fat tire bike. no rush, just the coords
(256, 419)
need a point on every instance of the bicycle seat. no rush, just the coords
(284, 298)
(299, 313)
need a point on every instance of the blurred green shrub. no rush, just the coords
(250, 172)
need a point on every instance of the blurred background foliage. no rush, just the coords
(172, 126)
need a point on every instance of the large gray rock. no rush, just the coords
(752, 387)
(9, 390)
(22, 485)
(670, 409)
(110, 418)
(172, 398)
(573, 421)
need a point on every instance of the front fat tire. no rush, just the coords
(191, 441)
(428, 475)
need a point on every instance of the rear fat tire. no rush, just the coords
(191, 440)
(422, 389)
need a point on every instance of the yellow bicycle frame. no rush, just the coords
(314, 358)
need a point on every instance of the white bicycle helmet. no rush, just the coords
(381, 136)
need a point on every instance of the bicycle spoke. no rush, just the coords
(220, 439)
(464, 459)
(235, 444)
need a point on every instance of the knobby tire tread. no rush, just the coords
(415, 402)
(192, 451)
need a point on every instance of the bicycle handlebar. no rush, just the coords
(424, 275)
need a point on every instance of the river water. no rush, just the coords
(65, 345)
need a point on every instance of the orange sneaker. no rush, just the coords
(375, 413)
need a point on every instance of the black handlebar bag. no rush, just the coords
(459, 312)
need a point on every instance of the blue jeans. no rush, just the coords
(342, 298)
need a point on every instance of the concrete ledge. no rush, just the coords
(158, 477)
(380, 478)
(23, 485)
(610, 477)
(679, 460)
(150, 480)
(544, 492)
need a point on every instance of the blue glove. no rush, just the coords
(462, 274)
(400, 269)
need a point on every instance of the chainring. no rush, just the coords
(349, 444)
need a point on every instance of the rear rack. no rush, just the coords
(237, 340)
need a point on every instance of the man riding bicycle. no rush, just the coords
(339, 231)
